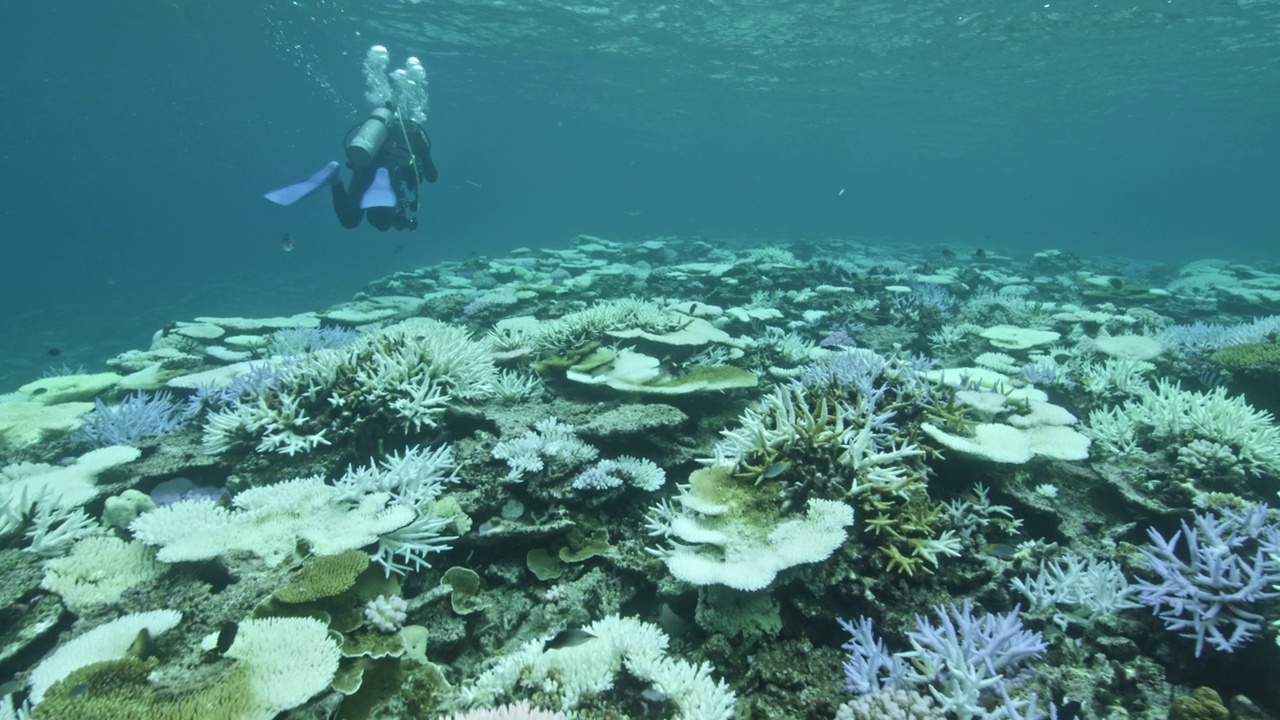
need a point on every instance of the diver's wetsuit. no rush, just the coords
(405, 180)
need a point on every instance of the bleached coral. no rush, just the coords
(890, 705)
(789, 421)
(606, 474)
(412, 543)
(1114, 430)
(412, 478)
(1168, 412)
(269, 521)
(386, 613)
(66, 486)
(1077, 589)
(580, 327)
(290, 660)
(104, 642)
(517, 711)
(572, 674)
(54, 530)
(98, 570)
(1115, 377)
(15, 507)
(549, 441)
(404, 375)
(716, 538)
(513, 387)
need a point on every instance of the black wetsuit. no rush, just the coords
(406, 177)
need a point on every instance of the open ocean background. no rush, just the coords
(138, 138)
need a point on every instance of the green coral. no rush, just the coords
(120, 690)
(324, 576)
(584, 546)
(373, 645)
(906, 528)
(543, 564)
(1263, 358)
(464, 585)
(1203, 704)
(735, 613)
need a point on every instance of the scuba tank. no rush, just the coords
(365, 144)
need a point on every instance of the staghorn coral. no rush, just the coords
(400, 377)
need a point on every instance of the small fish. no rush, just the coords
(226, 636)
(775, 470)
(1002, 550)
(142, 646)
(840, 193)
(980, 253)
(286, 243)
(758, 326)
(11, 687)
(653, 694)
(1116, 283)
(54, 352)
(948, 253)
(473, 184)
(571, 637)
(78, 690)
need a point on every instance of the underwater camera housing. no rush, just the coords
(364, 145)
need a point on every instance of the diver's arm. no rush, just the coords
(421, 146)
(429, 172)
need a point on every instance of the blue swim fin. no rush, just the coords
(379, 193)
(291, 194)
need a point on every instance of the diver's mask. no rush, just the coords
(365, 144)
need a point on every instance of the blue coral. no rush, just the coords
(967, 663)
(857, 369)
(258, 380)
(139, 415)
(299, 340)
(1230, 565)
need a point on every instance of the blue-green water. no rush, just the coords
(138, 138)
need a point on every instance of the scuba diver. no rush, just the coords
(389, 156)
(389, 153)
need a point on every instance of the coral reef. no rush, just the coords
(645, 479)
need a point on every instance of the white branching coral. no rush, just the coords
(1076, 589)
(15, 507)
(606, 474)
(411, 478)
(513, 387)
(578, 328)
(573, 674)
(54, 530)
(788, 420)
(1115, 377)
(1168, 412)
(549, 442)
(515, 711)
(403, 376)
